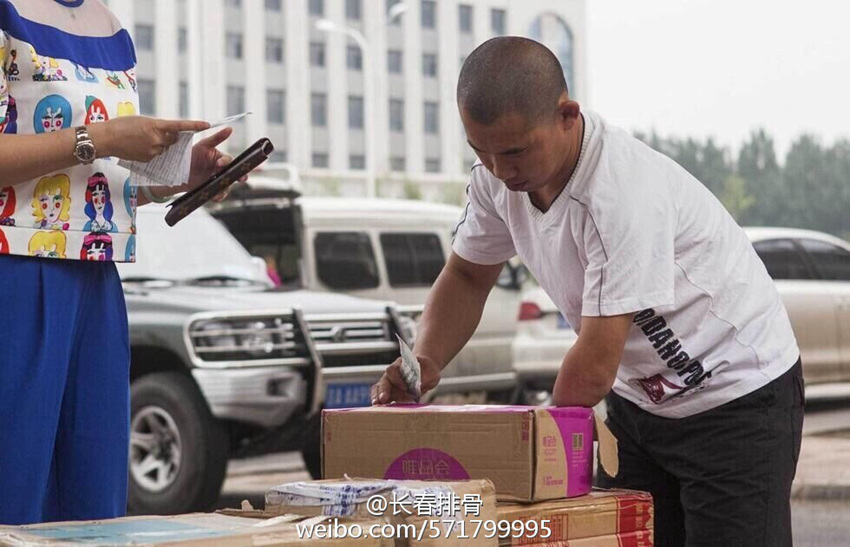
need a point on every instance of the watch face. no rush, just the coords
(85, 153)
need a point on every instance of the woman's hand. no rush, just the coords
(138, 138)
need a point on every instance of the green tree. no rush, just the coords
(758, 166)
(735, 197)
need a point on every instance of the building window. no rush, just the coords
(353, 10)
(275, 100)
(357, 161)
(432, 165)
(354, 58)
(355, 112)
(464, 13)
(233, 3)
(317, 54)
(235, 100)
(147, 97)
(318, 110)
(233, 45)
(395, 20)
(497, 21)
(183, 106)
(182, 39)
(273, 5)
(144, 37)
(432, 122)
(396, 115)
(429, 65)
(429, 14)
(317, 7)
(394, 61)
(320, 159)
(397, 163)
(274, 50)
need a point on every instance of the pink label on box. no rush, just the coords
(426, 464)
(576, 427)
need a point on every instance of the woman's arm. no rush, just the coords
(138, 138)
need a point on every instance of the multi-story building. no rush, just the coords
(357, 94)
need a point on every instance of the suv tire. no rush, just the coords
(173, 431)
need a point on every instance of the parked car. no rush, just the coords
(812, 274)
(380, 249)
(222, 362)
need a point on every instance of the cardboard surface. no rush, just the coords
(599, 514)
(529, 453)
(174, 531)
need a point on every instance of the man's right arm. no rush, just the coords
(452, 313)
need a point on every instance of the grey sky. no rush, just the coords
(722, 67)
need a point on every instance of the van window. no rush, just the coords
(413, 260)
(832, 262)
(345, 260)
(782, 259)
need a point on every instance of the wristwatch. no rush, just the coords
(84, 148)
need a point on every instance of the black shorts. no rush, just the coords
(721, 477)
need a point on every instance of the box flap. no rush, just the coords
(608, 452)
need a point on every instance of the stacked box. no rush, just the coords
(529, 453)
(193, 530)
(620, 518)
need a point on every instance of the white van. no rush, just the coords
(381, 249)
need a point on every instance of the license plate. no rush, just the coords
(348, 395)
(562, 322)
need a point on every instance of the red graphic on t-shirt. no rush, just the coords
(659, 388)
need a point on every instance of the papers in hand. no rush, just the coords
(410, 370)
(172, 167)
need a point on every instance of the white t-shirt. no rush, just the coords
(634, 232)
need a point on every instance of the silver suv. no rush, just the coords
(225, 365)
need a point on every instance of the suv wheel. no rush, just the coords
(178, 451)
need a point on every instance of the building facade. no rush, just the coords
(359, 95)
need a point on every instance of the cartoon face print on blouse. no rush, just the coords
(99, 205)
(8, 203)
(95, 110)
(130, 74)
(130, 251)
(131, 201)
(97, 247)
(48, 245)
(47, 69)
(51, 202)
(126, 109)
(84, 75)
(52, 113)
(4, 244)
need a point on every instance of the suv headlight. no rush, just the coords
(227, 340)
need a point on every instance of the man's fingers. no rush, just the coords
(217, 138)
(393, 375)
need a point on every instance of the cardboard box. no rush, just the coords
(599, 514)
(194, 530)
(529, 453)
(453, 507)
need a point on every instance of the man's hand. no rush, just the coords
(391, 387)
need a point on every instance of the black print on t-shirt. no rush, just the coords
(690, 372)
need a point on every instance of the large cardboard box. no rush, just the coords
(193, 530)
(529, 453)
(600, 515)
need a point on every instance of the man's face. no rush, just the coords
(524, 157)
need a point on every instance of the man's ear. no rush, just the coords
(568, 111)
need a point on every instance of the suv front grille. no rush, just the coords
(354, 339)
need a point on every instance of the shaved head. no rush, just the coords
(508, 75)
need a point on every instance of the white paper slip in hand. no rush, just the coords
(410, 370)
(173, 166)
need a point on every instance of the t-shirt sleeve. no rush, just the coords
(630, 249)
(482, 236)
(4, 84)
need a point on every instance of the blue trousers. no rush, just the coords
(64, 391)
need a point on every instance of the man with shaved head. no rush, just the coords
(679, 326)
